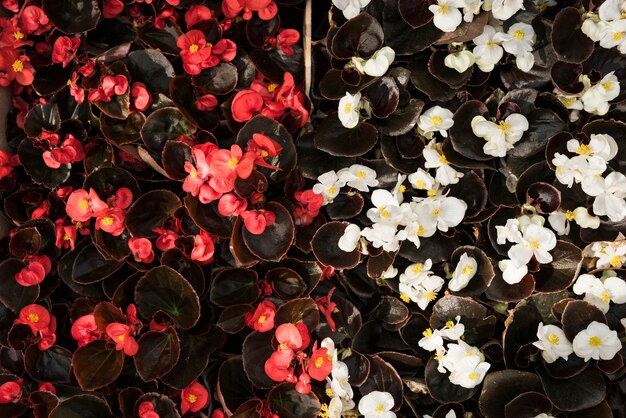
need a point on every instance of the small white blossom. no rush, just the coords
(600, 145)
(350, 110)
(349, 241)
(453, 330)
(421, 180)
(384, 235)
(431, 340)
(358, 176)
(460, 61)
(329, 186)
(377, 404)
(504, 9)
(609, 256)
(436, 119)
(596, 342)
(560, 220)
(553, 343)
(597, 97)
(378, 64)
(525, 61)
(609, 193)
(502, 136)
(487, 51)
(601, 291)
(434, 159)
(350, 8)
(465, 269)
(447, 16)
(445, 212)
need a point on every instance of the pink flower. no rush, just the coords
(11, 392)
(141, 97)
(229, 164)
(203, 247)
(256, 221)
(141, 249)
(121, 336)
(194, 398)
(231, 205)
(85, 330)
(111, 220)
(34, 273)
(64, 50)
(81, 205)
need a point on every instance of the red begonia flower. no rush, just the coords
(121, 336)
(35, 316)
(34, 273)
(15, 67)
(320, 364)
(141, 97)
(256, 221)
(231, 205)
(81, 205)
(112, 8)
(206, 102)
(111, 220)
(262, 319)
(194, 398)
(197, 14)
(84, 330)
(245, 105)
(11, 392)
(203, 247)
(229, 164)
(64, 50)
(141, 248)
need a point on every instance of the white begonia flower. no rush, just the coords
(350, 8)
(399, 188)
(445, 212)
(487, 51)
(417, 229)
(384, 235)
(431, 340)
(349, 241)
(525, 61)
(597, 97)
(358, 176)
(611, 257)
(584, 219)
(614, 35)
(513, 271)
(623, 322)
(416, 272)
(502, 136)
(460, 61)
(504, 9)
(518, 40)
(421, 180)
(465, 363)
(465, 269)
(470, 9)
(377, 404)
(611, 10)
(350, 110)
(572, 103)
(453, 330)
(339, 383)
(428, 288)
(335, 407)
(470, 377)
(596, 342)
(445, 174)
(436, 119)
(329, 186)
(386, 208)
(594, 29)
(553, 343)
(447, 16)
(560, 221)
(600, 145)
(378, 64)
(600, 292)
(508, 232)
(609, 193)
(536, 240)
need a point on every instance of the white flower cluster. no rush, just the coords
(350, 106)
(609, 255)
(466, 364)
(594, 99)
(338, 386)
(502, 136)
(587, 168)
(357, 176)
(490, 46)
(448, 14)
(530, 238)
(596, 342)
(350, 8)
(419, 285)
(608, 26)
(601, 291)
(395, 220)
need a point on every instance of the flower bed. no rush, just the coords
(295, 208)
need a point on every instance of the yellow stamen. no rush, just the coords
(583, 149)
(121, 337)
(436, 212)
(443, 159)
(192, 398)
(519, 34)
(18, 66)
(428, 332)
(402, 188)
(432, 193)
(193, 48)
(553, 339)
(318, 362)
(331, 190)
(616, 261)
(436, 120)
(419, 184)
(617, 36)
(329, 392)
(107, 221)
(450, 324)
(430, 296)
(272, 87)
(569, 215)
(347, 108)
(420, 231)
(468, 270)
(533, 244)
(360, 174)
(417, 267)
(380, 408)
(17, 35)
(473, 376)
(233, 162)
(595, 341)
(83, 204)
(607, 85)
(503, 126)
(261, 319)
(605, 297)
(33, 317)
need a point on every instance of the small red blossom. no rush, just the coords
(304, 334)
(42, 211)
(81, 205)
(288, 337)
(304, 383)
(35, 21)
(218, 413)
(7, 162)
(48, 335)
(122, 198)
(262, 319)
(207, 102)
(264, 147)
(308, 208)
(327, 308)
(35, 316)
(65, 234)
(286, 39)
(112, 8)
(246, 104)
(64, 50)
(121, 336)
(266, 9)
(11, 5)
(47, 387)
(195, 52)
(320, 364)
(36, 270)
(70, 151)
(203, 247)
(198, 174)
(256, 221)
(166, 240)
(194, 398)
(229, 164)
(141, 248)
(13, 36)
(278, 366)
(110, 86)
(111, 220)
(146, 410)
(11, 392)
(15, 67)
(141, 97)
(84, 330)
(231, 205)
(197, 14)
(78, 93)
(131, 317)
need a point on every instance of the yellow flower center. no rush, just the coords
(402, 188)
(607, 85)
(569, 215)
(380, 408)
(233, 162)
(503, 126)
(272, 87)
(490, 43)
(519, 34)
(121, 337)
(329, 392)
(605, 297)
(443, 159)
(417, 267)
(583, 149)
(193, 48)
(419, 184)
(18, 66)
(261, 319)
(405, 298)
(430, 296)
(450, 324)
(420, 231)
(319, 361)
(192, 398)
(616, 261)
(33, 317)
(17, 35)
(595, 341)
(264, 154)
(568, 101)
(436, 120)
(428, 332)
(283, 346)
(83, 204)
(193, 174)
(347, 108)
(617, 36)
(553, 339)
(331, 190)
(468, 270)
(436, 212)
(107, 221)
(533, 244)
(66, 237)
(432, 193)
(360, 174)
(323, 411)
(473, 376)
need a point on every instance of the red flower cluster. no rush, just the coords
(14, 66)
(7, 162)
(265, 8)
(11, 392)
(70, 151)
(198, 54)
(35, 271)
(64, 50)
(109, 87)
(41, 323)
(270, 99)
(194, 398)
(309, 204)
(82, 206)
(146, 410)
